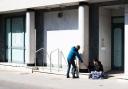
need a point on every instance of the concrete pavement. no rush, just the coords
(36, 80)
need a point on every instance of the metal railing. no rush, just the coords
(60, 55)
(41, 49)
(51, 57)
(63, 57)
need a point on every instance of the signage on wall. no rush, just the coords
(103, 44)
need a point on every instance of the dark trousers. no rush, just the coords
(73, 69)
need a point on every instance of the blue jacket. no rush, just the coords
(72, 54)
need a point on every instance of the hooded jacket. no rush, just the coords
(72, 54)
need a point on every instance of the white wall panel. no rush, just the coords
(61, 33)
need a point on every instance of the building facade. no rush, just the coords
(42, 32)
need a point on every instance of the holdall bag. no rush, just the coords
(96, 75)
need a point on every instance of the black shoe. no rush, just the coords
(68, 77)
(75, 77)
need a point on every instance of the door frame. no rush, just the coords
(112, 43)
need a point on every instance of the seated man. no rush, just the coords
(90, 66)
(97, 65)
(97, 73)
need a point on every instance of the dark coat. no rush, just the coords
(98, 66)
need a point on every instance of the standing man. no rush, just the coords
(71, 60)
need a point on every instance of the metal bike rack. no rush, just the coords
(35, 67)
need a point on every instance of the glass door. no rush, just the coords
(15, 39)
(117, 46)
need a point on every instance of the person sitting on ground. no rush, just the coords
(98, 72)
(97, 65)
(90, 66)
